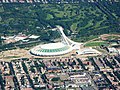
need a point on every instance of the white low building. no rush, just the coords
(87, 51)
(112, 50)
(34, 36)
(81, 79)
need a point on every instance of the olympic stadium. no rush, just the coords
(63, 47)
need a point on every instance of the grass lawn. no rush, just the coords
(97, 43)
(98, 24)
(88, 25)
(74, 26)
(102, 27)
(60, 14)
(49, 16)
(112, 37)
(11, 57)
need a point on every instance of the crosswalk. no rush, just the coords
(52, 1)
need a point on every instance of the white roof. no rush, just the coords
(51, 49)
(34, 36)
(17, 38)
(88, 51)
(52, 45)
(112, 50)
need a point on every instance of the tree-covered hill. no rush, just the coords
(86, 20)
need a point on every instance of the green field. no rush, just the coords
(95, 43)
(9, 57)
(85, 19)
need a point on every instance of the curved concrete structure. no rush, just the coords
(55, 49)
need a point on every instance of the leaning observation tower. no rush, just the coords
(56, 49)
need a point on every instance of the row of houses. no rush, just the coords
(54, 1)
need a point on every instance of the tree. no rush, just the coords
(0, 40)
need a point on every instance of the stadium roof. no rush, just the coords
(55, 49)
(51, 49)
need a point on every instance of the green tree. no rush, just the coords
(0, 40)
